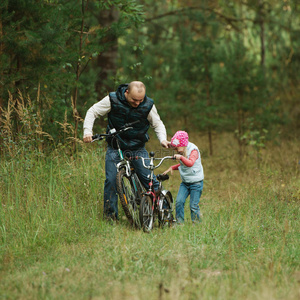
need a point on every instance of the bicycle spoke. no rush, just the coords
(127, 197)
(165, 216)
(146, 214)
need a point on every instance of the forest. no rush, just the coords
(227, 72)
(210, 66)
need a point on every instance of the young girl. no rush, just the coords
(191, 172)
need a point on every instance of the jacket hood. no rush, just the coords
(121, 92)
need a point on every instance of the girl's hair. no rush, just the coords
(185, 152)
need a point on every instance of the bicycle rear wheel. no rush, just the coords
(128, 198)
(146, 213)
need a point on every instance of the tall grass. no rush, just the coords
(54, 243)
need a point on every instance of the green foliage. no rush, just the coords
(210, 67)
(192, 61)
(42, 47)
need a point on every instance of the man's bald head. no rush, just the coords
(138, 85)
(135, 93)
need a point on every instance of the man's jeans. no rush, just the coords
(195, 191)
(110, 191)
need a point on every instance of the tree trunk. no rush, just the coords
(78, 69)
(106, 62)
(262, 33)
(208, 104)
(1, 83)
(241, 121)
(1, 70)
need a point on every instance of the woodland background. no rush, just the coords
(211, 67)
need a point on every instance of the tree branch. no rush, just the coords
(188, 9)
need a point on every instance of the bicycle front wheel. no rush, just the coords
(146, 213)
(127, 195)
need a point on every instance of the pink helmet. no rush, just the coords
(180, 139)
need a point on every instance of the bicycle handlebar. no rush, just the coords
(151, 166)
(113, 131)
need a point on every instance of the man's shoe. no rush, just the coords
(111, 220)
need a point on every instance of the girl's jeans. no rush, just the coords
(195, 191)
(110, 190)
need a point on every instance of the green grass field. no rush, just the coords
(55, 245)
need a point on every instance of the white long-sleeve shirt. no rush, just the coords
(103, 107)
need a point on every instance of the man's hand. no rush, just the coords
(166, 144)
(87, 138)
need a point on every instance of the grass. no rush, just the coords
(55, 245)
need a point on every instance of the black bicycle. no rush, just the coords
(129, 186)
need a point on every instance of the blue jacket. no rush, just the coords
(122, 113)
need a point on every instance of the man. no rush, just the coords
(128, 104)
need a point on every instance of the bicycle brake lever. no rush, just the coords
(127, 128)
(132, 123)
(97, 139)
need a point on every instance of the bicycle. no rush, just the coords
(156, 204)
(129, 187)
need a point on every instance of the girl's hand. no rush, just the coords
(177, 156)
(169, 170)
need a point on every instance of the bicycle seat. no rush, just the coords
(162, 177)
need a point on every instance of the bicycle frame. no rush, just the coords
(152, 167)
(124, 163)
(157, 200)
(126, 166)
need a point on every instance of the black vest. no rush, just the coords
(122, 113)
